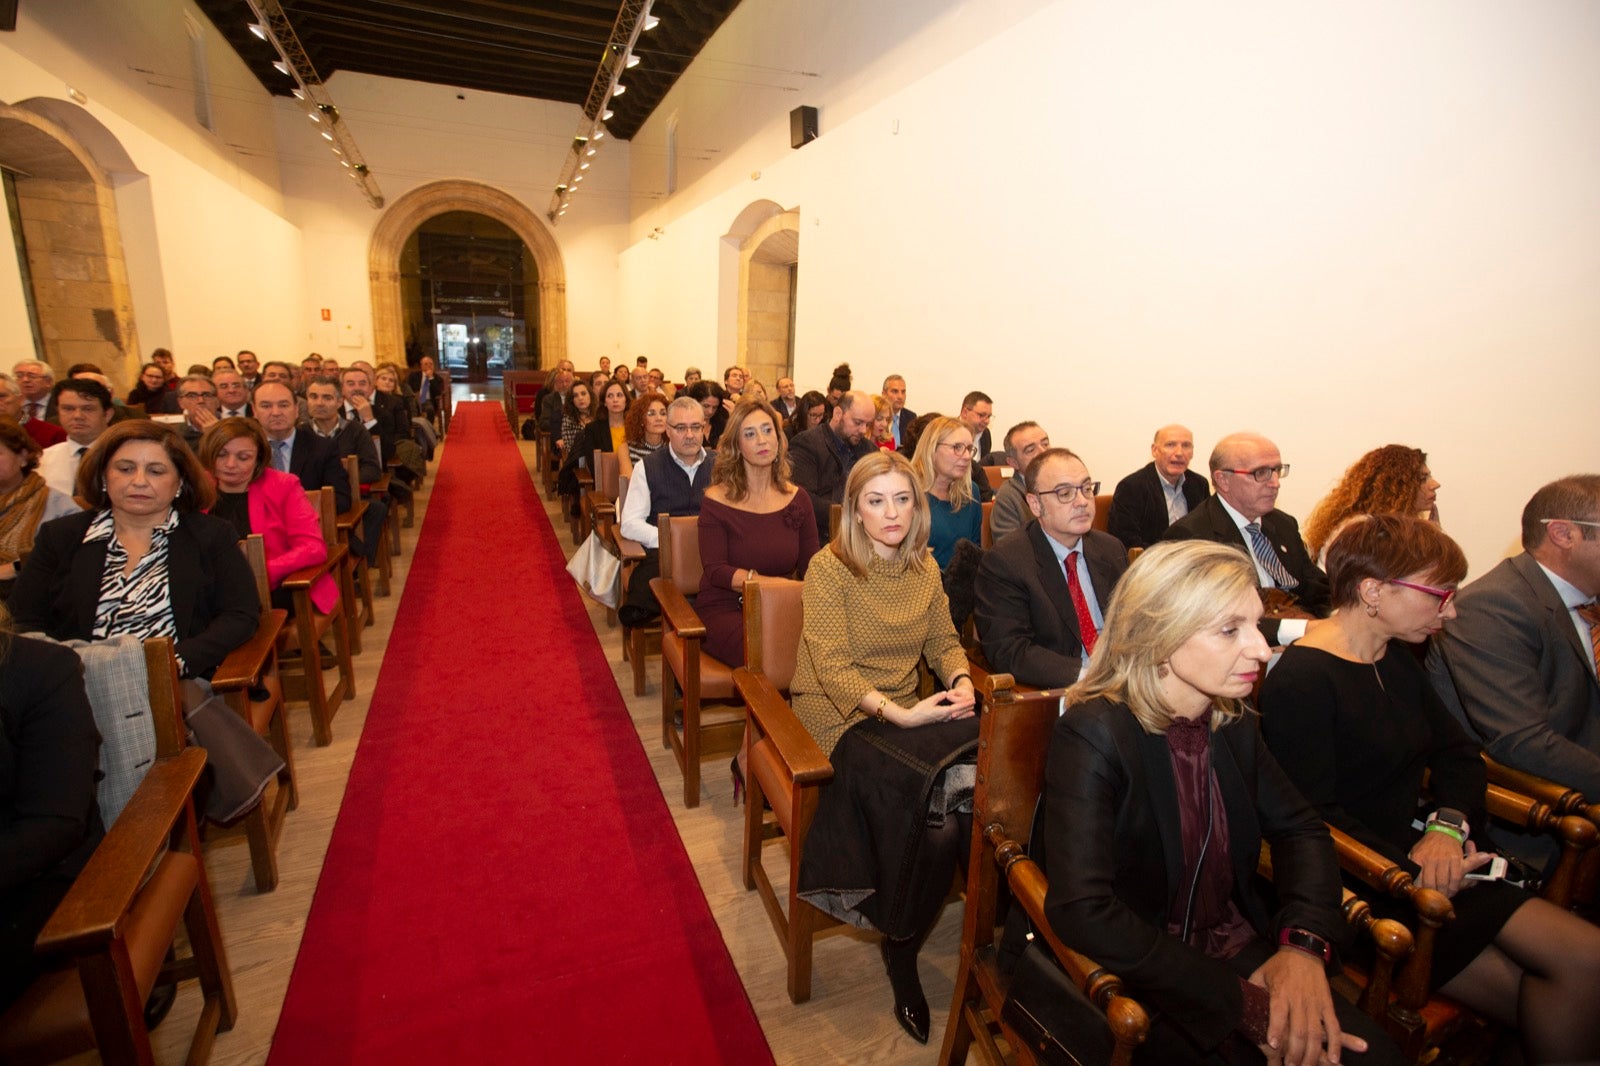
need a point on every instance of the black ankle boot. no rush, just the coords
(910, 1005)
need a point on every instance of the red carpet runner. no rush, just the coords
(504, 883)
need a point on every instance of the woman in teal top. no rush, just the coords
(944, 466)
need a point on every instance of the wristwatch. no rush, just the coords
(1450, 820)
(1306, 941)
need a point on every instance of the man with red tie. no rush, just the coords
(1042, 590)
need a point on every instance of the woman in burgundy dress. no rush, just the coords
(753, 520)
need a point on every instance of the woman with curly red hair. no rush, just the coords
(1393, 479)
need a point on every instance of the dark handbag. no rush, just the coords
(1048, 1013)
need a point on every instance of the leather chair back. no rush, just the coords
(996, 476)
(680, 551)
(773, 619)
(605, 477)
(986, 538)
(1102, 513)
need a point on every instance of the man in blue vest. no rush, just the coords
(670, 480)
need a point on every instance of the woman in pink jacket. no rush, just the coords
(257, 498)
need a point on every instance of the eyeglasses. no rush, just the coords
(1444, 595)
(966, 451)
(1262, 474)
(195, 395)
(27, 374)
(1064, 493)
(686, 427)
(1570, 521)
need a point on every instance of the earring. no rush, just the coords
(1162, 670)
(1372, 610)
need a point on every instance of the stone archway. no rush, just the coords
(436, 198)
(79, 278)
(768, 260)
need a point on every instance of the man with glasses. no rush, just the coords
(36, 379)
(1517, 665)
(44, 433)
(1043, 589)
(1247, 470)
(197, 399)
(820, 458)
(671, 480)
(1158, 494)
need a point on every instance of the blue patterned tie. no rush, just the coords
(1269, 558)
(280, 455)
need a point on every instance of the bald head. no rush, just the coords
(855, 415)
(1172, 448)
(1247, 452)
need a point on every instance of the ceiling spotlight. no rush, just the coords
(313, 116)
(618, 91)
(631, 62)
(299, 94)
(650, 23)
(599, 133)
(360, 168)
(583, 165)
(607, 115)
(344, 162)
(259, 30)
(282, 67)
(591, 151)
(560, 189)
(329, 110)
(327, 136)
(579, 141)
(577, 178)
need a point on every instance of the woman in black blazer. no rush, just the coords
(144, 561)
(49, 821)
(606, 433)
(1158, 793)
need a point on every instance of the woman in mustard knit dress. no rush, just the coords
(892, 825)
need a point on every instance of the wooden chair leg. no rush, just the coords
(341, 645)
(347, 593)
(385, 562)
(801, 928)
(691, 741)
(669, 699)
(311, 670)
(260, 831)
(394, 528)
(639, 654)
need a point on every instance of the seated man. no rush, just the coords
(428, 384)
(1159, 493)
(900, 416)
(820, 458)
(232, 393)
(301, 452)
(197, 399)
(1517, 663)
(43, 433)
(36, 380)
(1023, 441)
(1247, 470)
(670, 480)
(1042, 590)
(349, 438)
(85, 409)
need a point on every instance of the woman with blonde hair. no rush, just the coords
(944, 464)
(1393, 479)
(1158, 793)
(890, 828)
(882, 417)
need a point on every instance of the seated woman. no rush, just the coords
(1393, 479)
(882, 417)
(254, 498)
(390, 379)
(145, 560)
(1158, 792)
(26, 502)
(49, 821)
(813, 408)
(887, 836)
(645, 426)
(607, 433)
(151, 392)
(711, 397)
(1353, 718)
(579, 413)
(944, 464)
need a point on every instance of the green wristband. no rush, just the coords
(1438, 827)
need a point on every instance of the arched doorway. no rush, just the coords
(75, 275)
(547, 341)
(769, 265)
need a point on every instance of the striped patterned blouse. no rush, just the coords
(138, 604)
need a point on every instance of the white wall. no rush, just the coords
(1341, 224)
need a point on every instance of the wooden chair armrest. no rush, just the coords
(351, 519)
(1535, 815)
(1390, 878)
(100, 896)
(598, 503)
(676, 610)
(303, 577)
(245, 663)
(631, 551)
(776, 720)
(1129, 1021)
(379, 487)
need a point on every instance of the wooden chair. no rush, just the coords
(351, 523)
(519, 387)
(685, 666)
(1014, 734)
(1102, 513)
(996, 476)
(299, 656)
(250, 682)
(786, 770)
(392, 515)
(599, 503)
(115, 929)
(1564, 802)
(986, 538)
(384, 550)
(835, 516)
(638, 642)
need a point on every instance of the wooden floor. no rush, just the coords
(846, 1020)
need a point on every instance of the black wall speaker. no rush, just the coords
(802, 126)
(8, 15)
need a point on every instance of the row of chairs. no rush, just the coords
(115, 936)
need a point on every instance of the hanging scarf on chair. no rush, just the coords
(20, 511)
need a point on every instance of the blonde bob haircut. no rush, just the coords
(851, 544)
(1171, 592)
(934, 434)
(729, 469)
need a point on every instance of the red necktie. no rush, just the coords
(1086, 626)
(1590, 612)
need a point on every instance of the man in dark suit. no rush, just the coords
(299, 451)
(1247, 469)
(820, 458)
(786, 403)
(45, 433)
(36, 381)
(976, 411)
(429, 386)
(1158, 494)
(901, 416)
(249, 369)
(348, 438)
(1043, 589)
(232, 393)
(1517, 663)
(376, 412)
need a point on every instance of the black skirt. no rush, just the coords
(861, 854)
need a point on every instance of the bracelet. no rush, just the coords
(1450, 831)
(883, 701)
(1306, 941)
(952, 682)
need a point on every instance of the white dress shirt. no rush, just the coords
(1289, 629)
(58, 465)
(1574, 598)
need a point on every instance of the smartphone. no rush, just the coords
(1495, 871)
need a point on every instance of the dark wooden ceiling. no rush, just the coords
(549, 51)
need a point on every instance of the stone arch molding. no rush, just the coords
(403, 217)
(765, 256)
